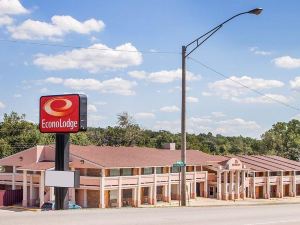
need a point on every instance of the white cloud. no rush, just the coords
(54, 80)
(91, 108)
(93, 39)
(115, 86)
(44, 90)
(296, 117)
(59, 26)
(138, 74)
(231, 127)
(235, 126)
(95, 120)
(287, 62)
(163, 76)
(100, 103)
(192, 99)
(12, 7)
(257, 51)
(295, 84)
(2, 105)
(144, 115)
(169, 109)
(267, 98)
(5, 20)
(218, 114)
(205, 93)
(95, 58)
(234, 87)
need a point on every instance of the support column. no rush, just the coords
(166, 191)
(72, 191)
(102, 189)
(169, 187)
(219, 185)
(205, 184)
(42, 188)
(72, 195)
(154, 187)
(120, 192)
(85, 205)
(139, 189)
(31, 200)
(225, 193)
(253, 186)
(134, 193)
(243, 184)
(281, 185)
(231, 185)
(194, 192)
(268, 189)
(294, 184)
(61, 164)
(13, 185)
(24, 202)
(52, 197)
(150, 194)
(237, 184)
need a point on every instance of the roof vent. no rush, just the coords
(169, 146)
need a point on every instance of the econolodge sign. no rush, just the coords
(63, 113)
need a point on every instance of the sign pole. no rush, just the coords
(61, 164)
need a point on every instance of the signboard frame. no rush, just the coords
(55, 178)
(82, 113)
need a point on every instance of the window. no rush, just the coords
(175, 169)
(159, 170)
(114, 172)
(127, 172)
(147, 171)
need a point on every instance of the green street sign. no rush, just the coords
(179, 164)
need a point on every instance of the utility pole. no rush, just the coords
(195, 44)
(183, 130)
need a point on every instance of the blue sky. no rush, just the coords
(143, 76)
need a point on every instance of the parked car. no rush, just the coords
(51, 206)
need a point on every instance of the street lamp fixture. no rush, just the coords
(256, 11)
(195, 44)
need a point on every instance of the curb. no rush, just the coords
(22, 208)
(224, 205)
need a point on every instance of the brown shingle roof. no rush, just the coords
(136, 156)
(38, 166)
(21, 158)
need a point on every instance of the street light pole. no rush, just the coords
(199, 41)
(183, 130)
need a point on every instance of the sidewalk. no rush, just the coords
(207, 202)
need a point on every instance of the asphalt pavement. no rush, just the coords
(228, 215)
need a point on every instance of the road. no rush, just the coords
(240, 215)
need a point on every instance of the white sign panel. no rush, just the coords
(55, 178)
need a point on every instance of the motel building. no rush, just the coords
(134, 176)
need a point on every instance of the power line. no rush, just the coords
(245, 86)
(92, 48)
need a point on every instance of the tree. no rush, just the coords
(283, 139)
(18, 133)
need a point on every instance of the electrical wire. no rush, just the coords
(92, 48)
(245, 86)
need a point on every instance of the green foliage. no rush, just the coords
(283, 139)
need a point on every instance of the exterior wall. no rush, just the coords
(148, 189)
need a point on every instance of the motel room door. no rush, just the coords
(212, 192)
(199, 189)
